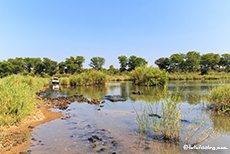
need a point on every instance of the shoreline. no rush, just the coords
(16, 139)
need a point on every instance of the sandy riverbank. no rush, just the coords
(15, 139)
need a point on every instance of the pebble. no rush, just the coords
(94, 145)
(114, 142)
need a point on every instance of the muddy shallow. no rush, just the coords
(112, 128)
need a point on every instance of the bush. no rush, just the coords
(219, 98)
(17, 97)
(149, 76)
(64, 81)
(92, 77)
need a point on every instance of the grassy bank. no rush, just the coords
(197, 76)
(219, 99)
(148, 76)
(92, 77)
(17, 97)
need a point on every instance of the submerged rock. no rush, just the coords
(114, 98)
(137, 93)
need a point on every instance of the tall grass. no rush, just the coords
(168, 126)
(17, 97)
(64, 81)
(92, 77)
(197, 76)
(148, 76)
(219, 99)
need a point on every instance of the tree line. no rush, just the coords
(194, 62)
(38, 66)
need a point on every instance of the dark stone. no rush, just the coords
(154, 115)
(114, 142)
(103, 149)
(94, 145)
(114, 98)
(91, 140)
(137, 93)
(97, 137)
(31, 127)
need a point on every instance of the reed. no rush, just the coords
(17, 97)
(92, 77)
(148, 76)
(219, 99)
(119, 78)
(168, 126)
(196, 76)
(64, 81)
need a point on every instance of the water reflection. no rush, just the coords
(221, 123)
(119, 119)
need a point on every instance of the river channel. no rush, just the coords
(113, 126)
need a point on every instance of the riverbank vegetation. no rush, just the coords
(219, 99)
(195, 62)
(148, 76)
(169, 125)
(92, 77)
(18, 98)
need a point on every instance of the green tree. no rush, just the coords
(192, 61)
(163, 63)
(209, 60)
(50, 66)
(79, 61)
(61, 67)
(225, 61)
(38, 65)
(18, 64)
(136, 62)
(28, 64)
(6, 68)
(97, 62)
(123, 60)
(177, 61)
(74, 64)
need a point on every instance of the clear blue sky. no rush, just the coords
(151, 29)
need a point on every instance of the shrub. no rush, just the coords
(92, 77)
(64, 81)
(17, 97)
(219, 98)
(149, 76)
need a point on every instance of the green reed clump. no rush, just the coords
(92, 77)
(219, 99)
(148, 76)
(17, 97)
(168, 126)
(64, 81)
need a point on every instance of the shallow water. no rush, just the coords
(116, 121)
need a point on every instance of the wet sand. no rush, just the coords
(16, 139)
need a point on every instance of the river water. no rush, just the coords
(115, 123)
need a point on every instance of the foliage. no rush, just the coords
(50, 66)
(97, 62)
(135, 62)
(92, 77)
(74, 64)
(64, 81)
(123, 60)
(17, 97)
(149, 76)
(163, 63)
(192, 60)
(219, 99)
